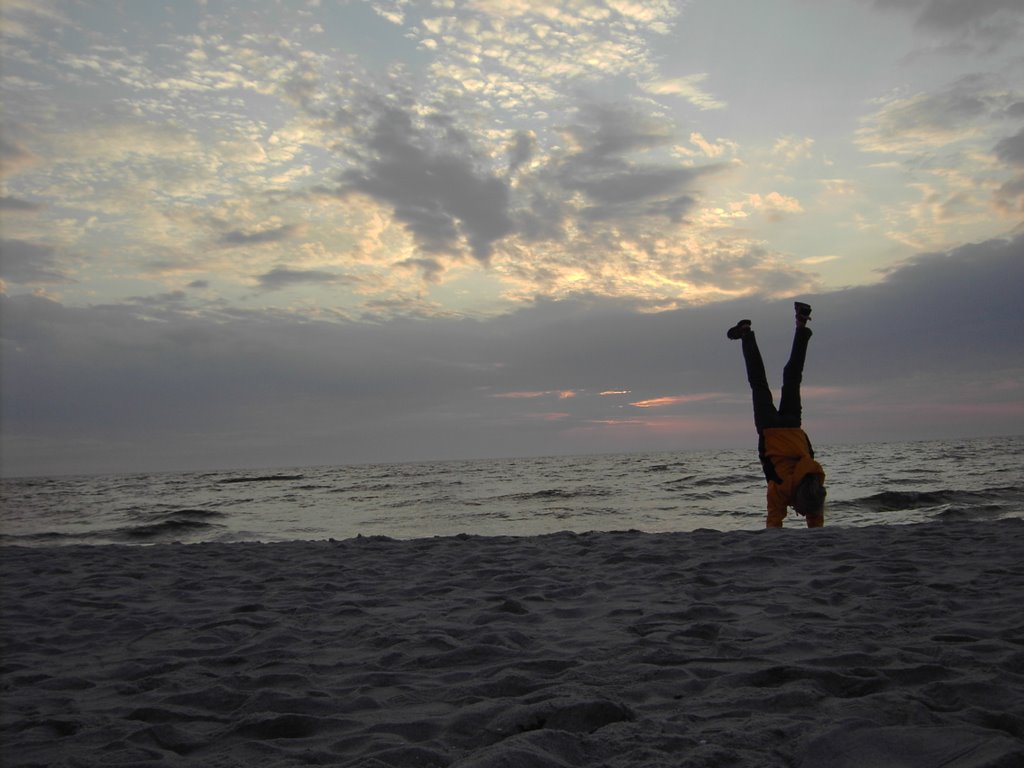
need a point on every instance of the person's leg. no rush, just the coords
(792, 375)
(765, 415)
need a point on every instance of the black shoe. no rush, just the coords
(739, 330)
(802, 310)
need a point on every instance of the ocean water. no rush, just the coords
(868, 484)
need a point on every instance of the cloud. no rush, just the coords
(1009, 196)
(535, 150)
(617, 169)
(985, 24)
(521, 151)
(661, 402)
(615, 185)
(791, 149)
(521, 56)
(775, 205)
(688, 88)
(428, 191)
(30, 19)
(435, 189)
(159, 383)
(926, 121)
(716, 149)
(605, 132)
(431, 269)
(949, 14)
(14, 157)
(9, 203)
(25, 263)
(261, 237)
(1011, 149)
(564, 394)
(939, 137)
(282, 277)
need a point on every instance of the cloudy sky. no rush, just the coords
(325, 231)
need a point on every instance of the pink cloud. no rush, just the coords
(659, 402)
(550, 416)
(563, 394)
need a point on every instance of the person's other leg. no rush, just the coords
(792, 375)
(765, 415)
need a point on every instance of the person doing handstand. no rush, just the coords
(794, 478)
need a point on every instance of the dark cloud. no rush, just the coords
(616, 186)
(965, 100)
(521, 151)
(606, 133)
(431, 269)
(13, 156)
(634, 184)
(673, 209)
(1010, 195)
(753, 269)
(435, 186)
(1011, 149)
(24, 263)
(282, 277)
(541, 217)
(156, 384)
(991, 23)
(935, 117)
(957, 14)
(161, 302)
(275, 235)
(439, 188)
(8, 203)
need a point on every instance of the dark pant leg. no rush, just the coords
(765, 415)
(792, 375)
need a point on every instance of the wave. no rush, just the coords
(988, 511)
(557, 493)
(259, 479)
(944, 504)
(892, 500)
(184, 523)
(43, 537)
(195, 514)
(166, 529)
(172, 524)
(889, 501)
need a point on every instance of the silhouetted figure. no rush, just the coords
(794, 478)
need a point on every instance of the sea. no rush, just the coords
(868, 484)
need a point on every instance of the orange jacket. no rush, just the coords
(788, 458)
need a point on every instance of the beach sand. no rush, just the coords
(845, 647)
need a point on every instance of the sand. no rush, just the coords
(882, 646)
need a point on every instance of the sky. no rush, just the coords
(279, 234)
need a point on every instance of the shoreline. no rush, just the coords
(841, 646)
(792, 522)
